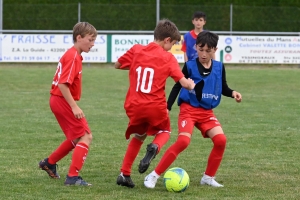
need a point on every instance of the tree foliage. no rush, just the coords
(256, 15)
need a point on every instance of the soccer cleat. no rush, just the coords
(151, 179)
(49, 168)
(76, 180)
(125, 181)
(208, 180)
(150, 155)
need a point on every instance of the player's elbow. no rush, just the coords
(117, 65)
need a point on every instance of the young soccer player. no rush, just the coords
(189, 39)
(145, 104)
(196, 109)
(65, 91)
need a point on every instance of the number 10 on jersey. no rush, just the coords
(147, 74)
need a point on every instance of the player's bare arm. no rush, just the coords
(237, 96)
(78, 113)
(187, 83)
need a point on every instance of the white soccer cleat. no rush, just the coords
(151, 179)
(208, 180)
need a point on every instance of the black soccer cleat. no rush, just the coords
(49, 168)
(76, 180)
(125, 181)
(150, 155)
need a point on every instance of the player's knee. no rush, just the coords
(220, 141)
(140, 137)
(89, 136)
(182, 142)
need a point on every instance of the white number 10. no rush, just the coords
(147, 73)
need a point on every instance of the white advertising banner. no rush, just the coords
(259, 49)
(46, 48)
(121, 43)
(231, 49)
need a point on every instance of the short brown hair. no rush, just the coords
(207, 38)
(165, 28)
(198, 15)
(83, 29)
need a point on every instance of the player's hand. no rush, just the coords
(191, 84)
(237, 96)
(78, 113)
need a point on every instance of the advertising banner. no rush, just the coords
(231, 49)
(176, 51)
(122, 43)
(260, 49)
(46, 48)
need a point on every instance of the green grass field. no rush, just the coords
(261, 161)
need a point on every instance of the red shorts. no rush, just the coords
(201, 118)
(150, 120)
(72, 127)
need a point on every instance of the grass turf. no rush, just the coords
(261, 160)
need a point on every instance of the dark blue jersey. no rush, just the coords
(226, 91)
(190, 43)
(212, 89)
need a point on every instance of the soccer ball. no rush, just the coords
(176, 180)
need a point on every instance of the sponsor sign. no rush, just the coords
(122, 43)
(46, 48)
(259, 49)
(231, 49)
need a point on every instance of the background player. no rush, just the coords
(65, 91)
(189, 39)
(196, 109)
(149, 67)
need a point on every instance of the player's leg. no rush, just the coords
(132, 151)
(168, 158)
(60, 109)
(78, 158)
(214, 160)
(153, 149)
(185, 128)
(161, 133)
(49, 164)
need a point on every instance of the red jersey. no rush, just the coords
(149, 68)
(68, 72)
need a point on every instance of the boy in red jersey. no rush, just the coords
(196, 110)
(146, 107)
(65, 91)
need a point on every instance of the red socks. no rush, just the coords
(171, 154)
(134, 148)
(132, 151)
(161, 139)
(64, 148)
(78, 158)
(182, 143)
(216, 155)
